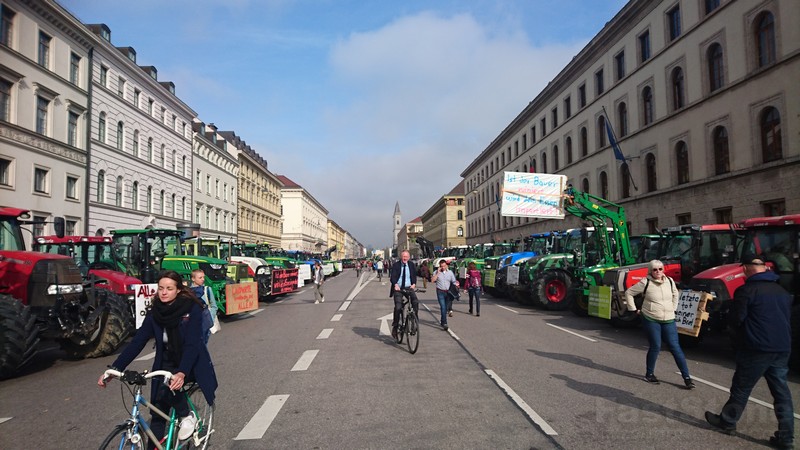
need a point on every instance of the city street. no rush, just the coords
(295, 374)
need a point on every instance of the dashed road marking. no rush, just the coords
(263, 418)
(724, 389)
(325, 334)
(5, 419)
(146, 357)
(305, 360)
(344, 306)
(253, 313)
(450, 330)
(507, 309)
(536, 418)
(572, 333)
(336, 317)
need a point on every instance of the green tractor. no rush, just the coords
(217, 249)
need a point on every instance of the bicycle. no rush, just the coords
(128, 435)
(409, 323)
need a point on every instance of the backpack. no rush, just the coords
(646, 285)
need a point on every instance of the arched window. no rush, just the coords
(150, 150)
(585, 185)
(460, 215)
(771, 144)
(568, 144)
(650, 166)
(721, 153)
(677, 88)
(765, 39)
(682, 162)
(135, 195)
(544, 162)
(555, 159)
(460, 231)
(625, 176)
(101, 128)
(533, 165)
(601, 131)
(101, 186)
(584, 142)
(161, 202)
(647, 105)
(174, 161)
(119, 193)
(182, 208)
(183, 166)
(604, 185)
(120, 135)
(622, 119)
(715, 75)
(136, 143)
(172, 206)
(525, 167)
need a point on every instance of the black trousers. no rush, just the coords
(398, 306)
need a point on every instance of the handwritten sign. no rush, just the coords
(533, 195)
(600, 301)
(143, 294)
(327, 269)
(303, 273)
(241, 297)
(691, 313)
(512, 275)
(489, 277)
(284, 280)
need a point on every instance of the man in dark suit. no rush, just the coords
(403, 278)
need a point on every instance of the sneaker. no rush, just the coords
(187, 427)
(716, 421)
(323, 300)
(394, 333)
(470, 312)
(478, 315)
(445, 327)
(689, 383)
(776, 442)
(450, 314)
(316, 302)
(650, 378)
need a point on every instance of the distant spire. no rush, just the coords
(397, 208)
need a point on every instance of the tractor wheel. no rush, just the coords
(553, 290)
(794, 358)
(620, 318)
(18, 335)
(108, 336)
(580, 304)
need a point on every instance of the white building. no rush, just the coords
(44, 83)
(305, 220)
(216, 169)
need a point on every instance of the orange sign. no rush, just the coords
(241, 297)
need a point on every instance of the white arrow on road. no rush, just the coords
(385, 331)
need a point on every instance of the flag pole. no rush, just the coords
(615, 146)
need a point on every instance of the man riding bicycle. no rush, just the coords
(403, 280)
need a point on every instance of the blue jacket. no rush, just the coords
(195, 359)
(761, 314)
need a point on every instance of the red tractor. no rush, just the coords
(43, 296)
(777, 240)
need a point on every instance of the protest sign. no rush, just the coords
(533, 195)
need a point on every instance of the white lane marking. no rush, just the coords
(262, 419)
(426, 307)
(253, 313)
(280, 301)
(336, 317)
(537, 419)
(572, 332)
(146, 357)
(450, 330)
(724, 389)
(344, 306)
(384, 328)
(5, 419)
(305, 360)
(359, 286)
(325, 333)
(507, 309)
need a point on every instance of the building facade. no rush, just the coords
(703, 101)
(443, 223)
(407, 238)
(305, 220)
(45, 61)
(353, 248)
(336, 240)
(216, 175)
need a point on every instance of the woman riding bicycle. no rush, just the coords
(175, 320)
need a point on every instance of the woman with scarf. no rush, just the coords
(175, 321)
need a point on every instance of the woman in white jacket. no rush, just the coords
(658, 318)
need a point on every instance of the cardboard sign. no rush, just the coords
(144, 294)
(337, 266)
(283, 281)
(241, 297)
(327, 269)
(533, 195)
(512, 276)
(488, 277)
(600, 301)
(303, 273)
(462, 273)
(687, 317)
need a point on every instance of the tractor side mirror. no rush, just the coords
(58, 224)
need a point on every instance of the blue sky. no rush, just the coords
(363, 103)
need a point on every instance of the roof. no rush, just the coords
(458, 189)
(397, 208)
(288, 183)
(417, 220)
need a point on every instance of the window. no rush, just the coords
(682, 162)
(163, 115)
(601, 131)
(121, 87)
(652, 225)
(135, 195)
(533, 134)
(172, 206)
(460, 215)
(619, 65)
(555, 117)
(149, 199)
(42, 105)
(567, 108)
(721, 152)
(101, 186)
(175, 165)
(765, 40)
(69, 227)
(650, 167)
(44, 49)
(72, 187)
(104, 76)
(6, 26)
(72, 129)
(174, 123)
(5, 100)
(149, 154)
(715, 74)
(585, 185)
(197, 180)
(524, 142)
(101, 128)
(544, 162)
(5, 172)
(516, 150)
(533, 165)
(182, 208)
(604, 185)
(41, 178)
(684, 218)
(711, 5)
(460, 232)
(150, 107)
(723, 215)
(183, 166)
(74, 68)
(38, 226)
(647, 105)
(674, 22)
(581, 96)
(216, 188)
(677, 88)
(208, 184)
(625, 175)
(136, 143)
(644, 46)
(136, 94)
(119, 192)
(543, 124)
(771, 144)
(120, 135)
(584, 142)
(555, 159)
(774, 207)
(622, 118)
(163, 156)
(599, 88)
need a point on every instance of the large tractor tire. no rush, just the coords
(794, 358)
(108, 336)
(18, 335)
(620, 318)
(552, 290)
(580, 303)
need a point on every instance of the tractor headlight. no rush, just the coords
(54, 289)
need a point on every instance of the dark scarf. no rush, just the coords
(169, 316)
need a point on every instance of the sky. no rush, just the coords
(364, 103)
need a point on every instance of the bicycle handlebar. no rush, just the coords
(134, 377)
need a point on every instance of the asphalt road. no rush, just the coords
(295, 374)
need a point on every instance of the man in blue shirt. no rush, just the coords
(403, 278)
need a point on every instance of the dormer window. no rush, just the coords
(105, 33)
(153, 73)
(132, 54)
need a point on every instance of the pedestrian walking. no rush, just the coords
(319, 280)
(760, 317)
(658, 319)
(425, 273)
(444, 279)
(474, 287)
(204, 293)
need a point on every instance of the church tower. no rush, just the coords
(397, 225)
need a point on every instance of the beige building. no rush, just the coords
(703, 99)
(407, 238)
(353, 248)
(216, 169)
(336, 239)
(305, 220)
(443, 223)
(259, 196)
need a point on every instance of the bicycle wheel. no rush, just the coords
(119, 439)
(205, 419)
(412, 332)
